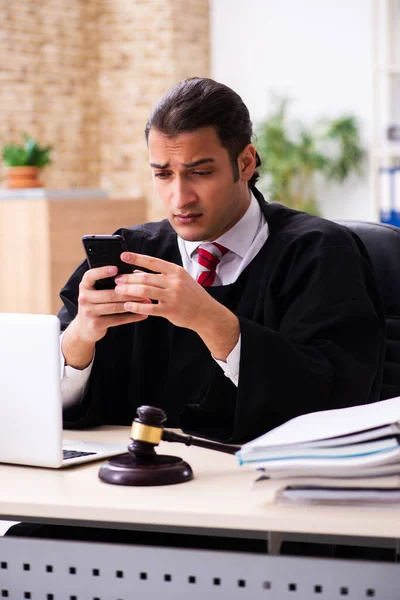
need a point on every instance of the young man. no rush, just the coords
(251, 313)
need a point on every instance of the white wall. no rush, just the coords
(317, 52)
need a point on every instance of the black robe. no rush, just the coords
(312, 337)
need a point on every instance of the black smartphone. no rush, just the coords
(103, 251)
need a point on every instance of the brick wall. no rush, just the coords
(145, 48)
(84, 74)
(49, 62)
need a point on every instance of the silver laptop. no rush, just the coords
(30, 397)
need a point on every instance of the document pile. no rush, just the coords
(333, 448)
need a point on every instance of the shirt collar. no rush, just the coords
(240, 237)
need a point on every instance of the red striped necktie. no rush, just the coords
(209, 257)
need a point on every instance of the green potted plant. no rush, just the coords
(24, 163)
(292, 155)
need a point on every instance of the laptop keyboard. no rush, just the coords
(68, 454)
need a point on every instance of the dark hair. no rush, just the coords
(200, 102)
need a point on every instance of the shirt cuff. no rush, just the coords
(231, 366)
(73, 381)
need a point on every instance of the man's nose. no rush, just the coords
(182, 195)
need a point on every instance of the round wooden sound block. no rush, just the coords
(157, 469)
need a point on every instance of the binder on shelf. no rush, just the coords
(385, 194)
(396, 194)
(389, 179)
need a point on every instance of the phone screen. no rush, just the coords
(103, 251)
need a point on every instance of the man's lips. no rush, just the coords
(189, 218)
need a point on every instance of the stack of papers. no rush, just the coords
(351, 444)
(318, 494)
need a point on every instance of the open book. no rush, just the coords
(360, 441)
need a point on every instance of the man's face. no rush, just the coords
(193, 175)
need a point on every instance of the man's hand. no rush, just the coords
(180, 299)
(97, 311)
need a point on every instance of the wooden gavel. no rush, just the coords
(142, 465)
(148, 431)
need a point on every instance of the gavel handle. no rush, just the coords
(188, 440)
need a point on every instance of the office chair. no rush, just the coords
(383, 245)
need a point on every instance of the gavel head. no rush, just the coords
(147, 430)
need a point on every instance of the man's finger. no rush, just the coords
(104, 296)
(153, 280)
(149, 262)
(140, 308)
(122, 319)
(93, 275)
(110, 308)
(138, 291)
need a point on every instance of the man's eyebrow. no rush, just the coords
(156, 166)
(196, 163)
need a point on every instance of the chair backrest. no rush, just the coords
(383, 245)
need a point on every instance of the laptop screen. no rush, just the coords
(30, 397)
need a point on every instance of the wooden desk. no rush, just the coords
(221, 500)
(40, 240)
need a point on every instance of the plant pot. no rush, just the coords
(23, 177)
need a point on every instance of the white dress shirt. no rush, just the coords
(244, 240)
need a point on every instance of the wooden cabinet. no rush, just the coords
(40, 241)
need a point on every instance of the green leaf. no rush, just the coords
(29, 154)
(292, 154)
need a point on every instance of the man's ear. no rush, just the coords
(247, 162)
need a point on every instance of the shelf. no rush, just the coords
(385, 94)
